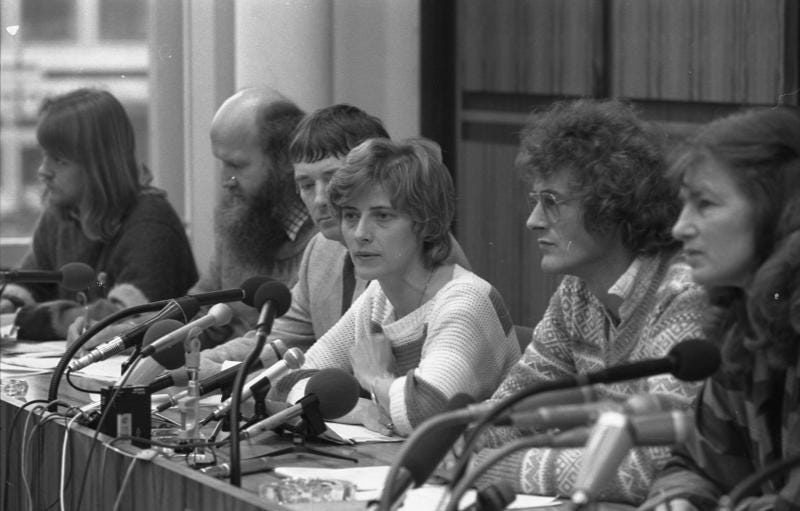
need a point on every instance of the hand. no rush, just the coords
(372, 417)
(372, 360)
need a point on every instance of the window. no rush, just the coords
(49, 47)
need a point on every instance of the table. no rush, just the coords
(153, 485)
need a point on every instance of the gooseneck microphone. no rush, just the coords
(219, 314)
(272, 299)
(417, 460)
(181, 309)
(72, 276)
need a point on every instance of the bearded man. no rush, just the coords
(261, 225)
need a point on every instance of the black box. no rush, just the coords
(129, 414)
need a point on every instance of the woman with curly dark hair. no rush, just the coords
(601, 210)
(740, 227)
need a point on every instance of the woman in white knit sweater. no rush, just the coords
(423, 331)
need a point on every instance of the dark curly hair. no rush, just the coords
(616, 164)
(760, 148)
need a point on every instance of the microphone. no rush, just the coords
(221, 379)
(172, 357)
(175, 378)
(335, 391)
(72, 276)
(420, 462)
(181, 309)
(219, 314)
(249, 466)
(613, 436)
(292, 359)
(273, 299)
(569, 416)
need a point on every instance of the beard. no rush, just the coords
(252, 225)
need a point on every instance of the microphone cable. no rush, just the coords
(93, 330)
(745, 486)
(464, 484)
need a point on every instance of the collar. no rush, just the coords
(294, 219)
(624, 284)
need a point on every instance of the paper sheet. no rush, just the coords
(359, 434)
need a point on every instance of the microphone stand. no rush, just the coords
(312, 425)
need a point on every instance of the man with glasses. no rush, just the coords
(601, 212)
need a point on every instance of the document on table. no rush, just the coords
(43, 357)
(353, 433)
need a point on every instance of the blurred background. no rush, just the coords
(465, 73)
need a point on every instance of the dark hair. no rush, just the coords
(419, 184)
(91, 128)
(616, 164)
(276, 121)
(760, 149)
(332, 132)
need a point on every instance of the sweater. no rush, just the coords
(745, 421)
(661, 307)
(317, 304)
(148, 260)
(460, 341)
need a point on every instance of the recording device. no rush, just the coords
(613, 435)
(128, 413)
(181, 309)
(219, 314)
(335, 392)
(72, 276)
(292, 359)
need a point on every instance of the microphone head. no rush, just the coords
(337, 391)
(77, 276)
(173, 356)
(250, 286)
(295, 358)
(221, 313)
(180, 377)
(694, 359)
(275, 292)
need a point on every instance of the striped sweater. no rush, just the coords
(460, 341)
(745, 421)
(661, 307)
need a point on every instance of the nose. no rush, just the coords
(44, 172)
(684, 228)
(320, 194)
(362, 232)
(536, 219)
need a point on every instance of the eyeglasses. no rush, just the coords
(550, 204)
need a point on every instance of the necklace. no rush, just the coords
(425, 289)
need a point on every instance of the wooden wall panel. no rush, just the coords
(541, 47)
(698, 50)
(491, 229)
